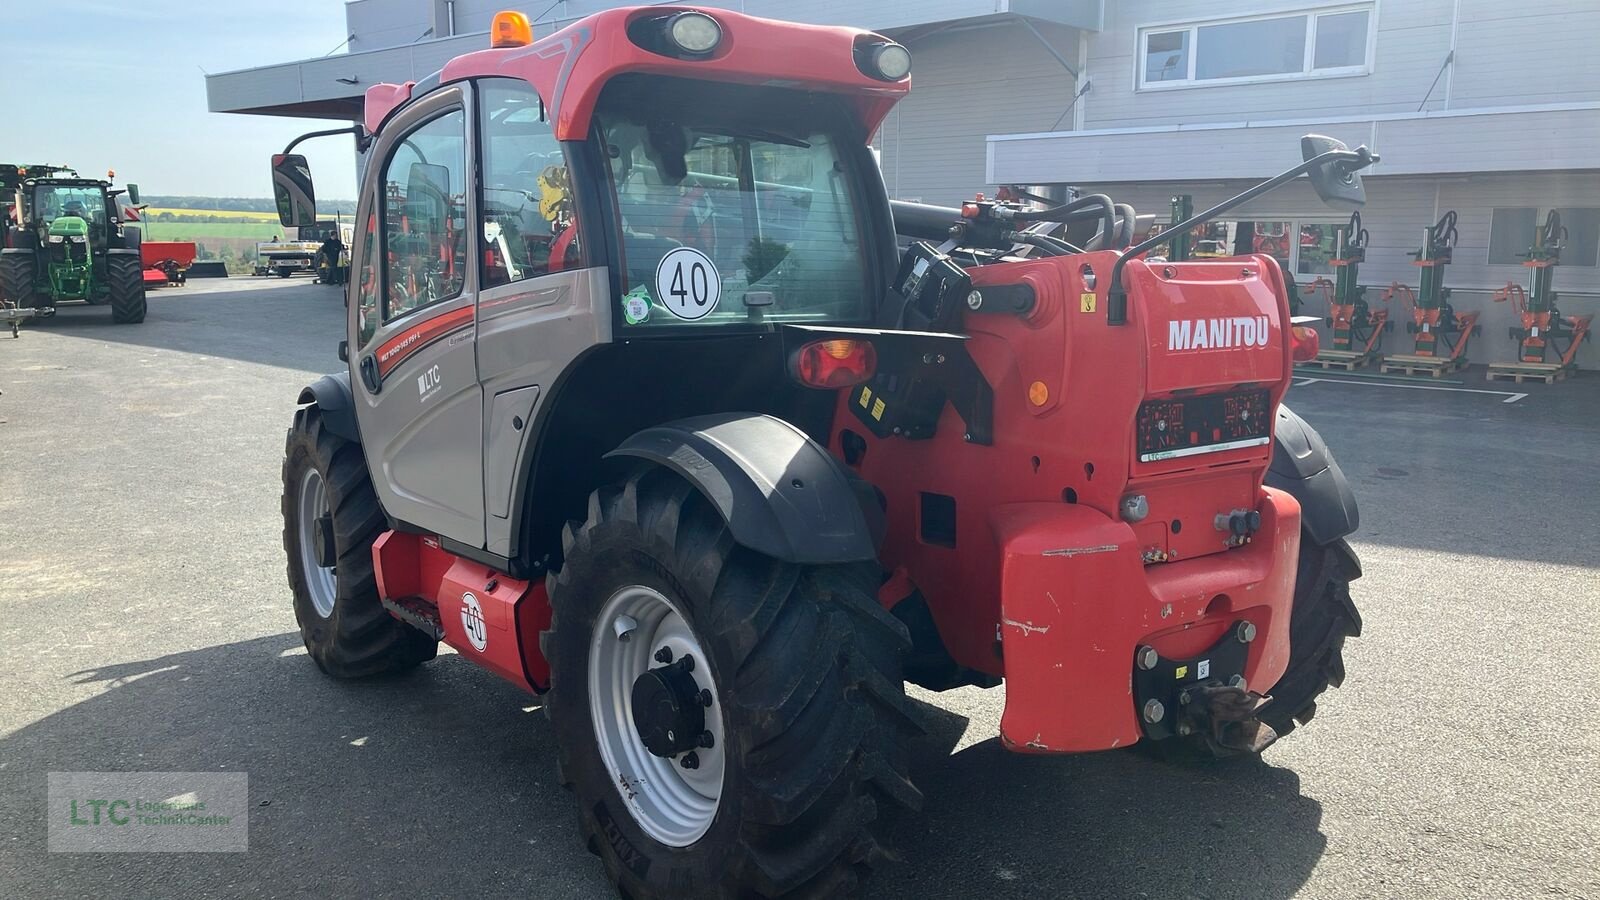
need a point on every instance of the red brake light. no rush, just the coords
(1305, 343)
(833, 364)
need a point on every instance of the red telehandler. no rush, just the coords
(646, 412)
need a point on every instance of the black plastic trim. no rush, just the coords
(780, 492)
(331, 394)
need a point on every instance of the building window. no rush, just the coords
(1512, 229)
(1261, 48)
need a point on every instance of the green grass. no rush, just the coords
(200, 231)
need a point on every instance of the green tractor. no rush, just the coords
(69, 243)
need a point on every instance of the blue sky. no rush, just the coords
(118, 84)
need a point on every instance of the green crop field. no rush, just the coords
(199, 231)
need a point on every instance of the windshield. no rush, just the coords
(84, 201)
(736, 209)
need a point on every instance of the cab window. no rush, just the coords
(737, 205)
(528, 224)
(366, 275)
(424, 216)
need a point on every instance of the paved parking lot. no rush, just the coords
(146, 625)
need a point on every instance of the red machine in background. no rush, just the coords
(1542, 325)
(166, 262)
(1432, 316)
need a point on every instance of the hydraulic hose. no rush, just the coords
(1046, 243)
(1125, 234)
(1063, 213)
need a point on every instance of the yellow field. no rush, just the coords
(238, 215)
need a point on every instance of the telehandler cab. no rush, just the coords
(645, 412)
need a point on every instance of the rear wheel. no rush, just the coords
(331, 517)
(730, 723)
(1324, 616)
(125, 277)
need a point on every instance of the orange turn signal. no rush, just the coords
(510, 29)
(834, 364)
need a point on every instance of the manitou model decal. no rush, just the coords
(1216, 334)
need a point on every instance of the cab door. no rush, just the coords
(414, 366)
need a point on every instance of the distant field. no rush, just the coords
(240, 215)
(200, 231)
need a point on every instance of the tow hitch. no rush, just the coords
(1205, 695)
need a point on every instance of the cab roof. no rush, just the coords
(570, 67)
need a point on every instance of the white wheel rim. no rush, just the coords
(674, 805)
(314, 505)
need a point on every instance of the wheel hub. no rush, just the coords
(658, 719)
(667, 712)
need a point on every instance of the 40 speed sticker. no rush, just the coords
(687, 283)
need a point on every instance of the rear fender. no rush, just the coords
(1303, 468)
(331, 394)
(780, 492)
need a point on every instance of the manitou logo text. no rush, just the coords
(1217, 334)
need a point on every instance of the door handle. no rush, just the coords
(369, 374)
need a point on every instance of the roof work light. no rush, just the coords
(510, 29)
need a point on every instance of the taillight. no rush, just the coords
(833, 364)
(1305, 343)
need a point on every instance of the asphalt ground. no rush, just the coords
(146, 625)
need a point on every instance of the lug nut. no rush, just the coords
(1246, 632)
(691, 760)
(1185, 728)
(664, 655)
(707, 740)
(1154, 711)
(1146, 657)
(705, 697)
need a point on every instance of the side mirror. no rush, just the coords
(1338, 183)
(293, 191)
(133, 194)
(428, 196)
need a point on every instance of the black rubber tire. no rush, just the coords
(1324, 616)
(17, 274)
(360, 638)
(285, 272)
(125, 278)
(808, 667)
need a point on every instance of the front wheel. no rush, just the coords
(125, 278)
(331, 518)
(731, 724)
(17, 279)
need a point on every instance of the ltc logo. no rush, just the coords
(1217, 334)
(428, 382)
(472, 622)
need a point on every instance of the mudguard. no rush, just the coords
(1303, 468)
(331, 394)
(781, 493)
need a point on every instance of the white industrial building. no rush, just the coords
(1487, 108)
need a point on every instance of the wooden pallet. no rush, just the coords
(1346, 360)
(1549, 373)
(1432, 366)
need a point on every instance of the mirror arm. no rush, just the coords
(1117, 294)
(363, 140)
